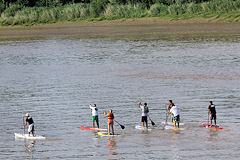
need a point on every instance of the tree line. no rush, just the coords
(50, 3)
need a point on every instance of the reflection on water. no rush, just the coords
(54, 80)
(111, 145)
(29, 145)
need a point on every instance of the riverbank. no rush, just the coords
(140, 26)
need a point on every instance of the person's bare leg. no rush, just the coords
(93, 125)
(112, 129)
(174, 124)
(109, 129)
(142, 125)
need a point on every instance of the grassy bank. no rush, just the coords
(227, 10)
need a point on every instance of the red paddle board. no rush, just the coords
(208, 126)
(93, 129)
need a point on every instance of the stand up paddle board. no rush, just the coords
(25, 136)
(106, 134)
(94, 129)
(169, 123)
(172, 127)
(208, 126)
(141, 128)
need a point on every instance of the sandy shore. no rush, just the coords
(143, 26)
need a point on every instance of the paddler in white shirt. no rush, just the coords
(94, 114)
(176, 115)
(145, 111)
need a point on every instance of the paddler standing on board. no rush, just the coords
(176, 115)
(30, 122)
(212, 112)
(145, 111)
(94, 115)
(110, 120)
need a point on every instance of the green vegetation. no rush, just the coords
(27, 12)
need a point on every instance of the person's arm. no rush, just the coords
(25, 122)
(139, 104)
(169, 111)
(105, 114)
(90, 106)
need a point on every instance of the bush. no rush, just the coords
(124, 11)
(158, 9)
(97, 7)
(11, 11)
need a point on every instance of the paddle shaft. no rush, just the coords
(208, 119)
(23, 126)
(166, 118)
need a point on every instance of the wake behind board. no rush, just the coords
(25, 136)
(93, 129)
(141, 128)
(208, 126)
(169, 123)
(172, 127)
(106, 134)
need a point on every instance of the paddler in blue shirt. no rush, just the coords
(94, 114)
(212, 113)
(30, 122)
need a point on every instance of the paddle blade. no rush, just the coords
(122, 126)
(153, 123)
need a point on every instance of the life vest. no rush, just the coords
(110, 116)
(145, 109)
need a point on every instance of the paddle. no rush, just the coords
(151, 121)
(166, 118)
(23, 125)
(208, 119)
(122, 126)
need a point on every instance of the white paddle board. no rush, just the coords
(172, 127)
(141, 128)
(169, 123)
(25, 136)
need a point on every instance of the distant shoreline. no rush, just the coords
(129, 27)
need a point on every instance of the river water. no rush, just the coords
(56, 79)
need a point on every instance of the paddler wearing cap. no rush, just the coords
(30, 122)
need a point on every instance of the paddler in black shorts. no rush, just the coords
(212, 113)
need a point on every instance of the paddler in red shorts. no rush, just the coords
(110, 121)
